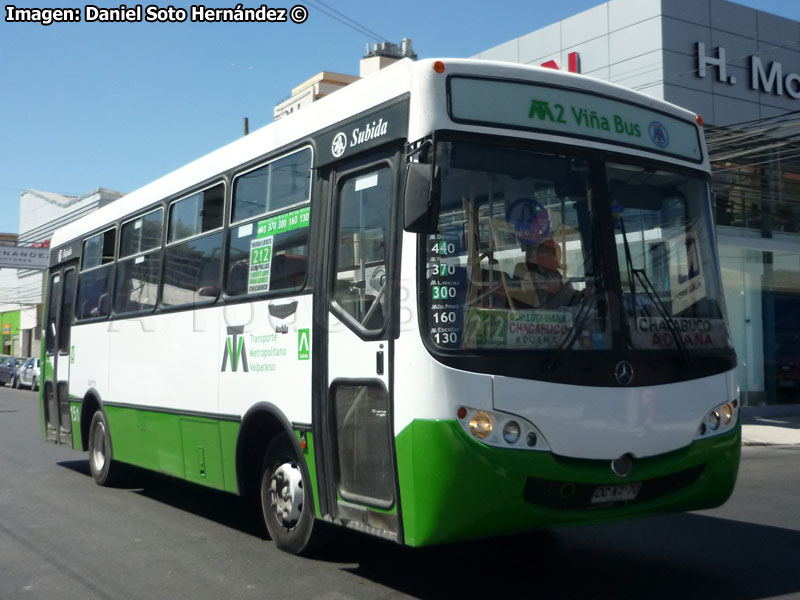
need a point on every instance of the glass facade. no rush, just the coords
(758, 219)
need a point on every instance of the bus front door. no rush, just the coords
(55, 368)
(360, 469)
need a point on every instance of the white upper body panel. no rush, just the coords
(607, 422)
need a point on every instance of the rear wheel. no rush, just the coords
(286, 497)
(101, 463)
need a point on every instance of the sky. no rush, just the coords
(117, 105)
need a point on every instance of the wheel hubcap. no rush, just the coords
(99, 447)
(286, 494)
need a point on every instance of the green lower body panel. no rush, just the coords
(75, 415)
(199, 449)
(308, 456)
(455, 488)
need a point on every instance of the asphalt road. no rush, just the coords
(62, 537)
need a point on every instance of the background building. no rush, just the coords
(738, 68)
(325, 82)
(41, 213)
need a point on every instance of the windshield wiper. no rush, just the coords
(580, 321)
(652, 294)
(587, 302)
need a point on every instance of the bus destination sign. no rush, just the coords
(571, 112)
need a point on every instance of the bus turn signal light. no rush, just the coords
(438, 66)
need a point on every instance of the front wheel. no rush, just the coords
(35, 384)
(286, 497)
(15, 383)
(101, 463)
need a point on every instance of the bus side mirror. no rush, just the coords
(420, 199)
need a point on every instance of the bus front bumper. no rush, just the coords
(456, 488)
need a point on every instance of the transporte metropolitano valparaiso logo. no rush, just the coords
(235, 351)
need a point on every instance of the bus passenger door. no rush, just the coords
(360, 465)
(55, 369)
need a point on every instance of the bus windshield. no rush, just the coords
(514, 264)
(665, 252)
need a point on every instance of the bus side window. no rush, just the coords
(288, 271)
(268, 246)
(139, 264)
(94, 281)
(259, 262)
(194, 248)
(272, 187)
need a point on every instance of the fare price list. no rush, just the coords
(445, 290)
(260, 262)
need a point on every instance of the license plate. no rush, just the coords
(616, 493)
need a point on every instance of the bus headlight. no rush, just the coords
(718, 420)
(713, 420)
(480, 425)
(727, 413)
(511, 432)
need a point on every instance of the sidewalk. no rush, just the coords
(771, 426)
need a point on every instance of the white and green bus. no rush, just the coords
(455, 299)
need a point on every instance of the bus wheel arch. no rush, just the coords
(91, 404)
(269, 461)
(259, 427)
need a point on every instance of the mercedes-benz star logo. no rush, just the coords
(339, 144)
(623, 372)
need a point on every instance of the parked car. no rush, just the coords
(29, 374)
(8, 369)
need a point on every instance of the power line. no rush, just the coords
(377, 36)
(345, 20)
(763, 162)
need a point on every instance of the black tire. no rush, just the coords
(15, 383)
(282, 478)
(101, 458)
(35, 384)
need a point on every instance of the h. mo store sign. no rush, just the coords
(769, 79)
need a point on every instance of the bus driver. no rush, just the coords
(540, 274)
